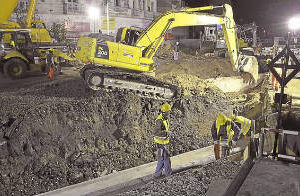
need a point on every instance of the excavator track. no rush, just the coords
(109, 78)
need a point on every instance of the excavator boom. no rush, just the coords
(30, 13)
(153, 35)
(6, 9)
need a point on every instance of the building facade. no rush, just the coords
(78, 19)
(166, 5)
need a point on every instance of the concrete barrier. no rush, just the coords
(133, 176)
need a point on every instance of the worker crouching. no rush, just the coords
(161, 139)
(227, 131)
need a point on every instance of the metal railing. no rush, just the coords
(281, 145)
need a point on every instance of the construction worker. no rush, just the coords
(161, 138)
(176, 51)
(225, 134)
(245, 124)
(50, 63)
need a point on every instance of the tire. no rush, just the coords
(15, 68)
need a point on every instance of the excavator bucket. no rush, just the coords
(249, 65)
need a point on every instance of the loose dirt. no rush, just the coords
(57, 133)
(201, 66)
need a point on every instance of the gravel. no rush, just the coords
(194, 181)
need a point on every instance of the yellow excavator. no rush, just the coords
(122, 64)
(24, 46)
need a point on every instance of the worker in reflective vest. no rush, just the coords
(224, 133)
(245, 125)
(161, 138)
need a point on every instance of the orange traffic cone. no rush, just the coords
(50, 73)
(275, 83)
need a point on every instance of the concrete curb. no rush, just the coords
(133, 176)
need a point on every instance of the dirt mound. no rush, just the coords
(60, 133)
(201, 66)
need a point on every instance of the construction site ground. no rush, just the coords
(285, 179)
(58, 133)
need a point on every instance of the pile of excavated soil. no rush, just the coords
(195, 181)
(58, 133)
(201, 66)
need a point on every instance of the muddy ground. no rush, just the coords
(57, 133)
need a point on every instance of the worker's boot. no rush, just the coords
(217, 151)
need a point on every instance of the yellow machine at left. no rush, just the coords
(26, 46)
(19, 56)
(39, 32)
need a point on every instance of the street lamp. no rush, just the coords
(94, 14)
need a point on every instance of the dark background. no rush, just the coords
(271, 15)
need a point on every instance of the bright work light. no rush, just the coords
(93, 12)
(294, 23)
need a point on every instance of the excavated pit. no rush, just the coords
(58, 133)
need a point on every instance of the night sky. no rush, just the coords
(272, 15)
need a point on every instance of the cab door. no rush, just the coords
(39, 33)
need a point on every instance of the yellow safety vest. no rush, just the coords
(160, 139)
(245, 124)
(230, 132)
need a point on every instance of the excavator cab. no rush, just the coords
(128, 36)
(39, 32)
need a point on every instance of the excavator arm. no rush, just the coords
(7, 7)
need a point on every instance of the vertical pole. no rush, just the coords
(283, 76)
(107, 17)
(261, 143)
(254, 35)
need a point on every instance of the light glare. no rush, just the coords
(294, 23)
(94, 12)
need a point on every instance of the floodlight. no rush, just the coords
(94, 12)
(294, 23)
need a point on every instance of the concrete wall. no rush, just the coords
(50, 7)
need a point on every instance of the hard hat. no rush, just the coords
(165, 107)
(51, 49)
(222, 119)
